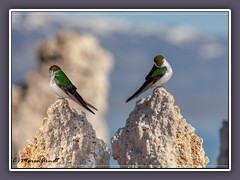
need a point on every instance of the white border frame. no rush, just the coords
(118, 10)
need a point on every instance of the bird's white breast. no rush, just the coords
(56, 89)
(166, 76)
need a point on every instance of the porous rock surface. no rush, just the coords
(65, 140)
(157, 136)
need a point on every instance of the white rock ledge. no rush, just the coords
(65, 140)
(157, 136)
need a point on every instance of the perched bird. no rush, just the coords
(63, 87)
(160, 73)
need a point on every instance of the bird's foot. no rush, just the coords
(61, 98)
(158, 87)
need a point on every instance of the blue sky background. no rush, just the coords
(194, 43)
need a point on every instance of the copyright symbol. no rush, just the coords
(15, 160)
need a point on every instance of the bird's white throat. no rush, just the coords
(57, 90)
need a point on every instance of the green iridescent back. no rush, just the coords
(63, 79)
(158, 71)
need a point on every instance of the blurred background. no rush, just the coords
(124, 45)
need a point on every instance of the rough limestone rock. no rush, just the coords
(65, 140)
(157, 136)
(87, 65)
(223, 160)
